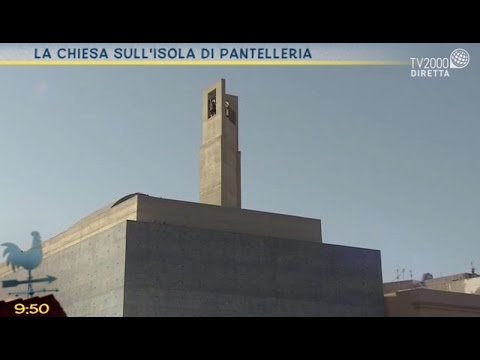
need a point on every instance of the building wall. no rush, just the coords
(231, 177)
(469, 286)
(392, 287)
(182, 271)
(90, 274)
(151, 209)
(153, 269)
(464, 284)
(427, 303)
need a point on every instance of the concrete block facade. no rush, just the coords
(182, 271)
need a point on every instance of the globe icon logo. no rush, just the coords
(459, 58)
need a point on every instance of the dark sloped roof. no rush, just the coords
(126, 197)
(7, 308)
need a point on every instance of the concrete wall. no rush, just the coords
(392, 287)
(90, 274)
(461, 284)
(181, 271)
(427, 303)
(231, 166)
(151, 209)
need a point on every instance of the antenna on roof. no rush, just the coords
(473, 268)
(403, 274)
(397, 277)
(411, 274)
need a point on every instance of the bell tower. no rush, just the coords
(220, 182)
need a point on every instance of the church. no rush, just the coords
(148, 256)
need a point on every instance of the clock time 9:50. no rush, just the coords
(32, 309)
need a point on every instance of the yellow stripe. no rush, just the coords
(200, 63)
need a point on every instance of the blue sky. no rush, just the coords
(386, 161)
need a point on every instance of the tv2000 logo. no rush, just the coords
(439, 67)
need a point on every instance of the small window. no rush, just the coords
(212, 104)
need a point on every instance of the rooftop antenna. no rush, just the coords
(397, 277)
(403, 274)
(473, 268)
(411, 274)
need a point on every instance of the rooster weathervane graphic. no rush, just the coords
(28, 260)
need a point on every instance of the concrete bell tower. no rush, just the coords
(220, 182)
